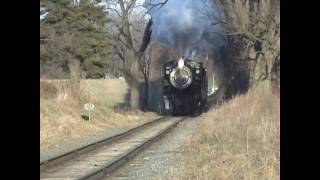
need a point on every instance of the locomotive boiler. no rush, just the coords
(185, 87)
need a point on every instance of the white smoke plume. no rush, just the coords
(182, 24)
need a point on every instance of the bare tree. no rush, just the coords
(151, 4)
(126, 45)
(253, 30)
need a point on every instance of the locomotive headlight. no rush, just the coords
(167, 72)
(181, 78)
(197, 71)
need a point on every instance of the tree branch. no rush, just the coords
(161, 4)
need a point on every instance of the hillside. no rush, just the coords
(238, 140)
(61, 115)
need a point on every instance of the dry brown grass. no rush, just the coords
(60, 113)
(238, 140)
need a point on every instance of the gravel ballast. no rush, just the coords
(160, 158)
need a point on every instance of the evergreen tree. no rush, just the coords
(74, 38)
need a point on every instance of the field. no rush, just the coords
(238, 140)
(62, 117)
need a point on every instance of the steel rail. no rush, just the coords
(72, 153)
(118, 161)
(100, 173)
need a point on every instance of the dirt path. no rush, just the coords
(159, 159)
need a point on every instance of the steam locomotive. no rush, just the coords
(185, 87)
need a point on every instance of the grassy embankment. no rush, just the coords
(60, 112)
(238, 140)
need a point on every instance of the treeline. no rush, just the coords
(74, 40)
(252, 52)
(81, 39)
(84, 39)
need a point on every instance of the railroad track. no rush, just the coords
(96, 160)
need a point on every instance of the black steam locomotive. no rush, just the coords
(185, 87)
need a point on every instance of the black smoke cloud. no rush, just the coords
(184, 25)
